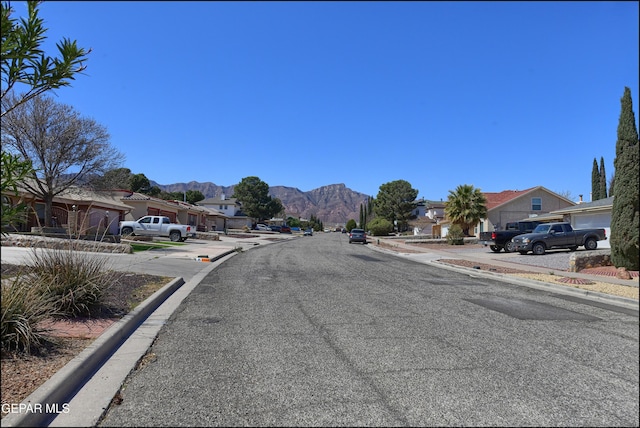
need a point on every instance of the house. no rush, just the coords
(432, 209)
(201, 217)
(514, 205)
(588, 215)
(428, 214)
(231, 210)
(81, 210)
(76, 209)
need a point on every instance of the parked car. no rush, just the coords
(275, 228)
(285, 229)
(357, 235)
(155, 225)
(344, 230)
(501, 239)
(308, 232)
(261, 226)
(557, 235)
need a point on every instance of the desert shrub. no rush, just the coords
(455, 235)
(380, 226)
(75, 280)
(24, 307)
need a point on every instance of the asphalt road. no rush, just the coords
(317, 332)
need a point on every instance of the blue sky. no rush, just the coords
(499, 95)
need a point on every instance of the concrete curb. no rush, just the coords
(540, 285)
(49, 400)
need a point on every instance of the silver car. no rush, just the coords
(357, 235)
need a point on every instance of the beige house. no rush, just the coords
(589, 215)
(231, 209)
(515, 205)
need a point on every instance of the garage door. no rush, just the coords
(590, 221)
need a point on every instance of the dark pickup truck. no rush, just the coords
(557, 235)
(501, 239)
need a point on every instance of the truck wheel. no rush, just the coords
(127, 231)
(174, 236)
(591, 244)
(495, 248)
(508, 247)
(538, 248)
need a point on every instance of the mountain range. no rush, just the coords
(332, 204)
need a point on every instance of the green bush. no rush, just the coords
(75, 280)
(455, 235)
(380, 226)
(24, 307)
(351, 224)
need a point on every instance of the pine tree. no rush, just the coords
(603, 180)
(625, 217)
(595, 181)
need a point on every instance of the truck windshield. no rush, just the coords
(542, 228)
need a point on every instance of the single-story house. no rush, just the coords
(589, 215)
(78, 210)
(514, 205)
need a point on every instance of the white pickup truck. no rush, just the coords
(153, 225)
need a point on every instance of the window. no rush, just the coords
(536, 204)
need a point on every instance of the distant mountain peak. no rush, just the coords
(332, 204)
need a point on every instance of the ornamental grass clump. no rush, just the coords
(75, 280)
(455, 235)
(24, 307)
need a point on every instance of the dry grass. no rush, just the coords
(22, 374)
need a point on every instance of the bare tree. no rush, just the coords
(63, 147)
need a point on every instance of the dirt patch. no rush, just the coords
(23, 374)
(482, 266)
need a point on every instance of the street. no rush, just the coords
(319, 332)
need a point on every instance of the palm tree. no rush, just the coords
(466, 206)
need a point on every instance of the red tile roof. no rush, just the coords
(496, 199)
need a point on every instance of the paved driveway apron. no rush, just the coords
(319, 332)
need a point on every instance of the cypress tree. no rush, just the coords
(595, 181)
(603, 180)
(625, 217)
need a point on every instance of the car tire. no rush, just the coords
(508, 247)
(495, 248)
(174, 236)
(538, 248)
(591, 244)
(127, 231)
